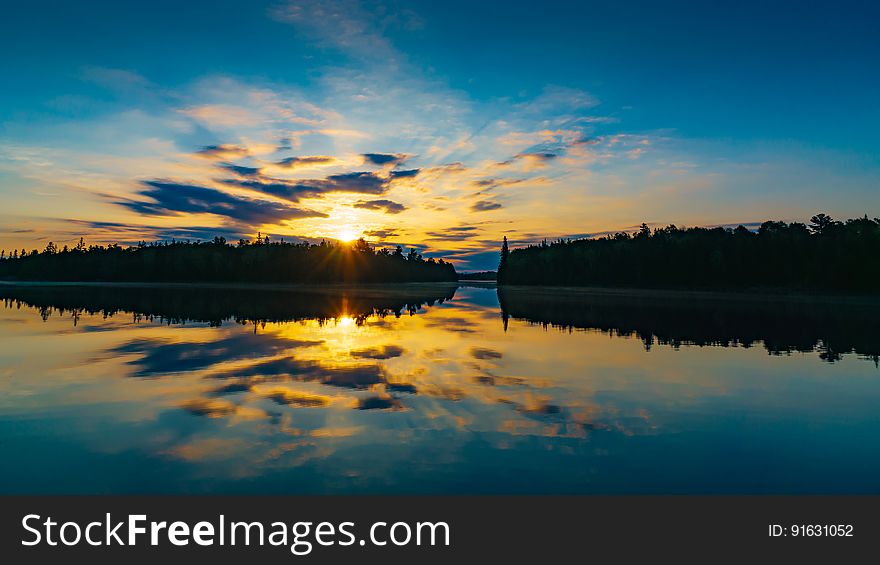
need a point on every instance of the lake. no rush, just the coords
(434, 389)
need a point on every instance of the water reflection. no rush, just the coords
(432, 388)
(176, 304)
(832, 326)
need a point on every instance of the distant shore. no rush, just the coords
(761, 294)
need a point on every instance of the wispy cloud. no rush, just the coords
(168, 198)
(384, 159)
(306, 161)
(484, 206)
(386, 206)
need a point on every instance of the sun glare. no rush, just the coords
(346, 235)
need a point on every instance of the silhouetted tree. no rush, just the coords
(215, 260)
(822, 224)
(361, 246)
(502, 263)
(828, 255)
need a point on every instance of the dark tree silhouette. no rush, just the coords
(502, 264)
(260, 261)
(822, 224)
(826, 255)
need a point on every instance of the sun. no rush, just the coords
(346, 235)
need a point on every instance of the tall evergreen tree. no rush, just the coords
(502, 264)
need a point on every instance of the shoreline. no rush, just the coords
(760, 294)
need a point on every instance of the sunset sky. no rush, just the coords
(439, 125)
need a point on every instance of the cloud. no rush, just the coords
(359, 182)
(386, 206)
(348, 26)
(381, 234)
(360, 377)
(405, 174)
(493, 182)
(485, 353)
(232, 388)
(224, 151)
(174, 199)
(537, 159)
(559, 101)
(452, 324)
(484, 206)
(275, 187)
(306, 161)
(383, 159)
(131, 234)
(379, 403)
(155, 357)
(384, 352)
(458, 233)
(223, 115)
(241, 169)
(209, 408)
(297, 399)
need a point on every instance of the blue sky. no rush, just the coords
(522, 119)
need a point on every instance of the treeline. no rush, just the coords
(479, 276)
(260, 261)
(824, 255)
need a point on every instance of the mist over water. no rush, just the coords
(434, 388)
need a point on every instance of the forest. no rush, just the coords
(825, 254)
(258, 261)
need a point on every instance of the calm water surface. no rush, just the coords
(434, 389)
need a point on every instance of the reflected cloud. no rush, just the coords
(316, 381)
(379, 403)
(485, 353)
(209, 408)
(383, 352)
(157, 357)
(294, 398)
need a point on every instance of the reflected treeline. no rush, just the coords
(214, 305)
(781, 324)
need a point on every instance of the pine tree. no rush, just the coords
(502, 264)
